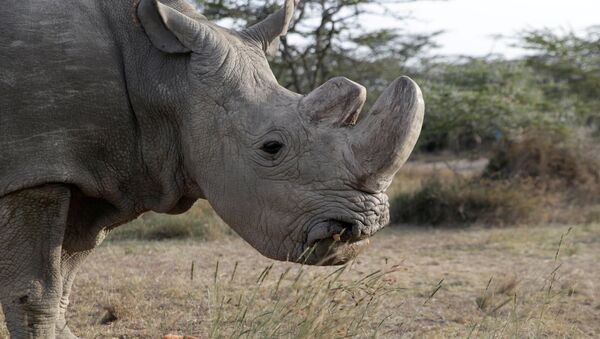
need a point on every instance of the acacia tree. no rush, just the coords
(474, 102)
(328, 38)
(569, 67)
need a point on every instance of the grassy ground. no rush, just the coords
(512, 282)
(202, 280)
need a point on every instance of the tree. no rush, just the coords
(569, 67)
(474, 102)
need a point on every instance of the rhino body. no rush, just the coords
(81, 105)
(112, 108)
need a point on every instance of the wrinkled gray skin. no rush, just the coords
(110, 109)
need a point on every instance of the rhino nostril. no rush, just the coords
(345, 231)
(338, 230)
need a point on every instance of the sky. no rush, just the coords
(470, 25)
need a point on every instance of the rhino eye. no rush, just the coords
(272, 147)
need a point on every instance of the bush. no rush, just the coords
(462, 202)
(538, 177)
(548, 158)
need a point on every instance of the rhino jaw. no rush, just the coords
(337, 241)
(328, 252)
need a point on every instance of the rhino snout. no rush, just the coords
(337, 239)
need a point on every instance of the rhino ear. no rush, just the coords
(170, 30)
(267, 32)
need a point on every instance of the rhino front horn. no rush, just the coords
(386, 136)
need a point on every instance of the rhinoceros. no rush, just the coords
(113, 108)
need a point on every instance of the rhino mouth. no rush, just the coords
(334, 242)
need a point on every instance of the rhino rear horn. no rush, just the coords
(386, 136)
(337, 102)
(267, 32)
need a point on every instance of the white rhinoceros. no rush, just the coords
(112, 108)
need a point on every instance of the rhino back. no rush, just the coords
(65, 114)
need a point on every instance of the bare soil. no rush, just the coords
(512, 282)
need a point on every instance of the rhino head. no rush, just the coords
(300, 177)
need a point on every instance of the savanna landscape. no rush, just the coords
(495, 218)
(190, 275)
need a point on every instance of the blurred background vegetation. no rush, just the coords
(534, 120)
(472, 102)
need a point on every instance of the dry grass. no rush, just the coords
(523, 282)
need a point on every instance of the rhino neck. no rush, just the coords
(156, 91)
(157, 102)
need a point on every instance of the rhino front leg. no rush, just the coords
(32, 226)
